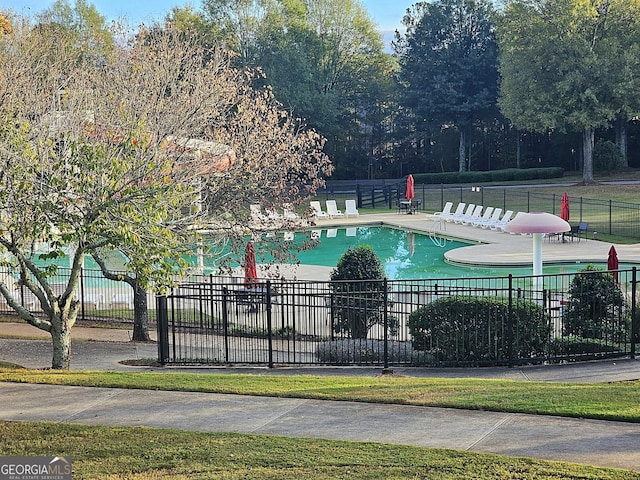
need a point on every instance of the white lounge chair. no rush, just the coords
(467, 213)
(122, 299)
(93, 300)
(289, 212)
(272, 214)
(317, 209)
(350, 209)
(504, 220)
(256, 213)
(476, 214)
(458, 212)
(332, 209)
(484, 218)
(495, 218)
(445, 211)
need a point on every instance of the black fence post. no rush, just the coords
(510, 323)
(225, 319)
(358, 195)
(610, 220)
(386, 322)
(82, 313)
(162, 324)
(634, 320)
(269, 327)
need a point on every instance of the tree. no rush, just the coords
(569, 66)
(324, 60)
(448, 65)
(5, 25)
(358, 297)
(135, 154)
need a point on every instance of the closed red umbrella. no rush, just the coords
(410, 191)
(612, 262)
(250, 269)
(564, 207)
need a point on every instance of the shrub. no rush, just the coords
(595, 307)
(517, 174)
(358, 297)
(476, 329)
(607, 156)
(574, 346)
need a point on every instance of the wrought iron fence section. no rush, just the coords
(435, 322)
(102, 300)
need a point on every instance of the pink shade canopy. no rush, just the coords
(537, 222)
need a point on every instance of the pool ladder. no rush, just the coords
(437, 225)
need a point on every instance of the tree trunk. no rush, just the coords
(462, 151)
(587, 151)
(140, 315)
(621, 138)
(61, 340)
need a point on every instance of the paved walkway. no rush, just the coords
(591, 442)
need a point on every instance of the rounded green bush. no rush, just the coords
(480, 329)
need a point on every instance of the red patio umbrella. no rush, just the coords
(564, 207)
(410, 191)
(250, 269)
(612, 262)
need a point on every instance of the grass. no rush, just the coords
(144, 453)
(611, 401)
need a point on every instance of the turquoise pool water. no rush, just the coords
(404, 255)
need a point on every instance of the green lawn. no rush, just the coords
(608, 401)
(145, 453)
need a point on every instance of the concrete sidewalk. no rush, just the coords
(591, 442)
(599, 443)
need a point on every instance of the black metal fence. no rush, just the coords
(102, 300)
(436, 322)
(608, 217)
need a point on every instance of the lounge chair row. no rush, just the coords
(350, 209)
(270, 215)
(473, 215)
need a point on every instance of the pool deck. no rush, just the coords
(494, 247)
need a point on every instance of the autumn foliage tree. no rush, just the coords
(135, 150)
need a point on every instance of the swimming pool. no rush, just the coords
(403, 254)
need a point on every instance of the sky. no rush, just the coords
(387, 14)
